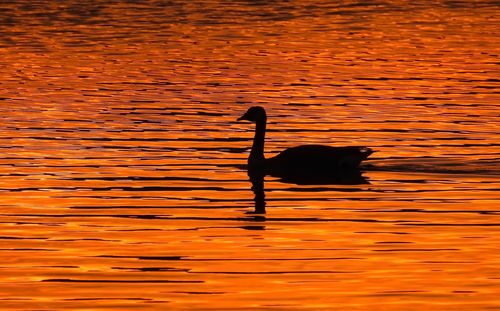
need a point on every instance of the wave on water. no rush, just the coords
(435, 165)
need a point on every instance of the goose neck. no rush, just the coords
(257, 152)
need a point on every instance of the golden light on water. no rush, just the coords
(122, 180)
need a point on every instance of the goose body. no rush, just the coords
(306, 161)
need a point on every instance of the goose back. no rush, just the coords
(316, 160)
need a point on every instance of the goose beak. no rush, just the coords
(243, 117)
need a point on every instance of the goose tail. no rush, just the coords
(365, 152)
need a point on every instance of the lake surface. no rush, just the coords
(123, 181)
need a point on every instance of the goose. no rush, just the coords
(302, 162)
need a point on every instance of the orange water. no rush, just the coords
(121, 183)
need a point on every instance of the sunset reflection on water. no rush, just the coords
(123, 181)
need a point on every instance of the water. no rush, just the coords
(122, 182)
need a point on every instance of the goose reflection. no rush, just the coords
(257, 179)
(302, 165)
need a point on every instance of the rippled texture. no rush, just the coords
(122, 180)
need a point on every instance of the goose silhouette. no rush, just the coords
(306, 163)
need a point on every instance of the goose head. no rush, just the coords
(254, 114)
